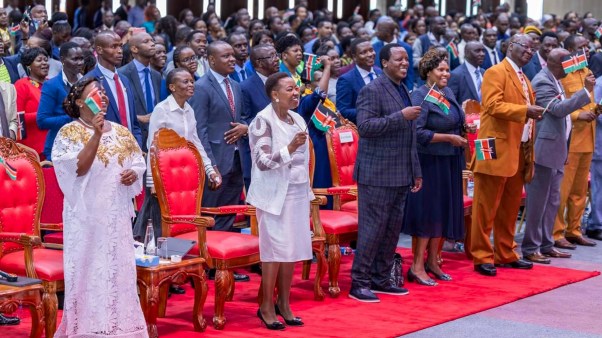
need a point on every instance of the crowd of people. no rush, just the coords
(89, 94)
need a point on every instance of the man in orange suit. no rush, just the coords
(508, 116)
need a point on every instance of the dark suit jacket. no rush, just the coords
(113, 110)
(595, 64)
(236, 76)
(51, 115)
(387, 154)
(462, 86)
(254, 99)
(348, 87)
(213, 118)
(129, 71)
(533, 67)
(12, 62)
(409, 80)
(487, 63)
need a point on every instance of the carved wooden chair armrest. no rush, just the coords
(246, 209)
(51, 226)
(314, 214)
(28, 242)
(337, 191)
(201, 223)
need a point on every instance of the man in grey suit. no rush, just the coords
(386, 170)
(551, 147)
(146, 81)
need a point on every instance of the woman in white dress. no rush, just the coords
(281, 192)
(98, 165)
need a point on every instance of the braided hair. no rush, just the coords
(75, 93)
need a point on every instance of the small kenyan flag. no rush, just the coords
(21, 131)
(599, 32)
(311, 63)
(10, 171)
(94, 101)
(323, 118)
(476, 3)
(485, 149)
(14, 29)
(574, 62)
(434, 96)
(453, 49)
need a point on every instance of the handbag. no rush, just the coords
(397, 270)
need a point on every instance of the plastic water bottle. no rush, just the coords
(150, 247)
(470, 188)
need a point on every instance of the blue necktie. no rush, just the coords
(243, 75)
(371, 75)
(149, 91)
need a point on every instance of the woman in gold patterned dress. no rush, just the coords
(98, 165)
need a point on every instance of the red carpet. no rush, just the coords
(424, 307)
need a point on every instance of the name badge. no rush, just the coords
(346, 137)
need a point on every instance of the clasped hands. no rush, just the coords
(238, 130)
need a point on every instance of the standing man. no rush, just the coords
(265, 61)
(468, 33)
(434, 37)
(350, 84)
(8, 114)
(136, 14)
(325, 31)
(466, 80)
(548, 41)
(573, 191)
(507, 116)
(551, 137)
(109, 50)
(61, 33)
(493, 56)
(386, 170)
(240, 44)
(386, 30)
(146, 81)
(197, 40)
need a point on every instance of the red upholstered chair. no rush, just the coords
(342, 155)
(21, 252)
(179, 180)
(472, 109)
(51, 219)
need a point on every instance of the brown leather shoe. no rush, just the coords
(536, 257)
(580, 241)
(557, 254)
(564, 244)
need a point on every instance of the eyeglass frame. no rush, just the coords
(190, 59)
(274, 56)
(532, 50)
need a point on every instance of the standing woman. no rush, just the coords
(29, 90)
(437, 209)
(291, 54)
(183, 57)
(281, 193)
(159, 59)
(99, 168)
(51, 115)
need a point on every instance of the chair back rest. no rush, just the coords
(342, 152)
(22, 198)
(52, 209)
(179, 178)
(472, 110)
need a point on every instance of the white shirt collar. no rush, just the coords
(174, 106)
(66, 81)
(219, 77)
(364, 72)
(109, 74)
(262, 77)
(471, 68)
(542, 62)
(392, 41)
(514, 65)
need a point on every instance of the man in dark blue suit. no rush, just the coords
(386, 170)
(146, 82)
(265, 62)
(385, 33)
(548, 41)
(466, 80)
(493, 56)
(434, 37)
(350, 84)
(118, 88)
(240, 44)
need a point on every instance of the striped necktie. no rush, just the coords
(528, 129)
(479, 81)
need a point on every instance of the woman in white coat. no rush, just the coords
(281, 192)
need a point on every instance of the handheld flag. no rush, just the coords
(94, 101)
(14, 29)
(485, 149)
(21, 131)
(324, 118)
(453, 49)
(574, 62)
(476, 3)
(599, 32)
(436, 97)
(10, 171)
(311, 63)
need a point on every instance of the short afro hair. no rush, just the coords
(431, 60)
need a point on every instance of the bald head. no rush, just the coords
(474, 53)
(520, 49)
(105, 38)
(554, 62)
(138, 39)
(142, 46)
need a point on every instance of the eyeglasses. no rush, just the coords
(270, 57)
(531, 50)
(190, 59)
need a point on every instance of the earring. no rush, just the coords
(277, 100)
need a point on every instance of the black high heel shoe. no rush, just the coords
(442, 276)
(413, 278)
(296, 321)
(274, 326)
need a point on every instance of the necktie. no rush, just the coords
(230, 97)
(243, 75)
(479, 82)
(3, 119)
(149, 91)
(120, 101)
(494, 57)
(528, 129)
(371, 75)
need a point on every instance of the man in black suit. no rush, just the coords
(465, 81)
(145, 80)
(386, 170)
(493, 56)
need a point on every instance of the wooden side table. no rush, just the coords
(154, 285)
(13, 296)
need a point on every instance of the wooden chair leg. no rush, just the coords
(200, 295)
(307, 268)
(232, 286)
(334, 264)
(223, 281)
(320, 271)
(51, 306)
(163, 294)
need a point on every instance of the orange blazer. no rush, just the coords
(503, 118)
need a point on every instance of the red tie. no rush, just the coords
(230, 97)
(120, 101)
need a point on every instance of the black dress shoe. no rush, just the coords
(389, 290)
(594, 234)
(517, 264)
(176, 290)
(272, 326)
(9, 320)
(443, 276)
(363, 295)
(486, 269)
(241, 278)
(296, 321)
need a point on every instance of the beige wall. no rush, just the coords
(560, 7)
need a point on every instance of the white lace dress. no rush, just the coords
(100, 272)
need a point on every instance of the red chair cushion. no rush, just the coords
(48, 264)
(240, 218)
(54, 238)
(175, 164)
(467, 201)
(52, 209)
(178, 229)
(350, 207)
(338, 222)
(225, 245)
